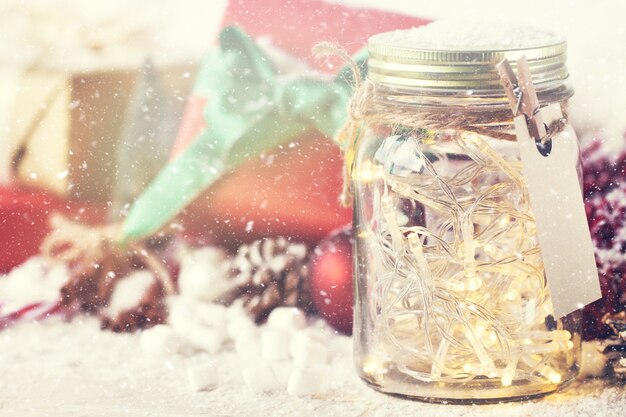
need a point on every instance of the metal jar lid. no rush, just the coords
(410, 59)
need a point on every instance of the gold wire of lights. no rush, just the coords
(464, 297)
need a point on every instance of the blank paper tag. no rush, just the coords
(557, 203)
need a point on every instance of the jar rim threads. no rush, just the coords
(438, 56)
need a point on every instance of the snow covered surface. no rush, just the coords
(30, 283)
(57, 369)
(210, 360)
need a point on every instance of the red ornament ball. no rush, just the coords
(330, 279)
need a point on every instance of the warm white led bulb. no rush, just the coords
(474, 284)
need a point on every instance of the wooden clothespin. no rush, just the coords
(522, 95)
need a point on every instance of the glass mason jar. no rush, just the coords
(451, 301)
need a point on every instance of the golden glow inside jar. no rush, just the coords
(451, 297)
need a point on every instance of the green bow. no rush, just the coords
(251, 108)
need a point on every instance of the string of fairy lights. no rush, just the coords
(462, 296)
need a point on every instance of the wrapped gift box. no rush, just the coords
(69, 76)
(295, 26)
(295, 195)
(71, 123)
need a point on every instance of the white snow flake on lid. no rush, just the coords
(473, 35)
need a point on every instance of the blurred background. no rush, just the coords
(96, 96)
(70, 34)
(149, 113)
(193, 150)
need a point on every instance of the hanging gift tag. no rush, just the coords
(557, 203)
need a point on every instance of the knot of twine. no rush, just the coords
(75, 243)
(78, 244)
(365, 109)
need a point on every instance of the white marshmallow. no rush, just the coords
(160, 340)
(274, 345)
(202, 274)
(287, 318)
(186, 314)
(240, 324)
(259, 378)
(210, 314)
(180, 316)
(310, 355)
(236, 309)
(202, 377)
(282, 370)
(205, 338)
(304, 381)
(247, 346)
(303, 338)
(321, 330)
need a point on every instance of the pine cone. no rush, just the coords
(614, 348)
(97, 262)
(269, 273)
(150, 311)
(90, 285)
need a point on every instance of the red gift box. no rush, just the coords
(297, 195)
(24, 214)
(297, 25)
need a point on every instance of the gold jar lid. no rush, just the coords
(462, 55)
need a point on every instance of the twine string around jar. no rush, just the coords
(364, 109)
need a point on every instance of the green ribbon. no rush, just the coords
(251, 108)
